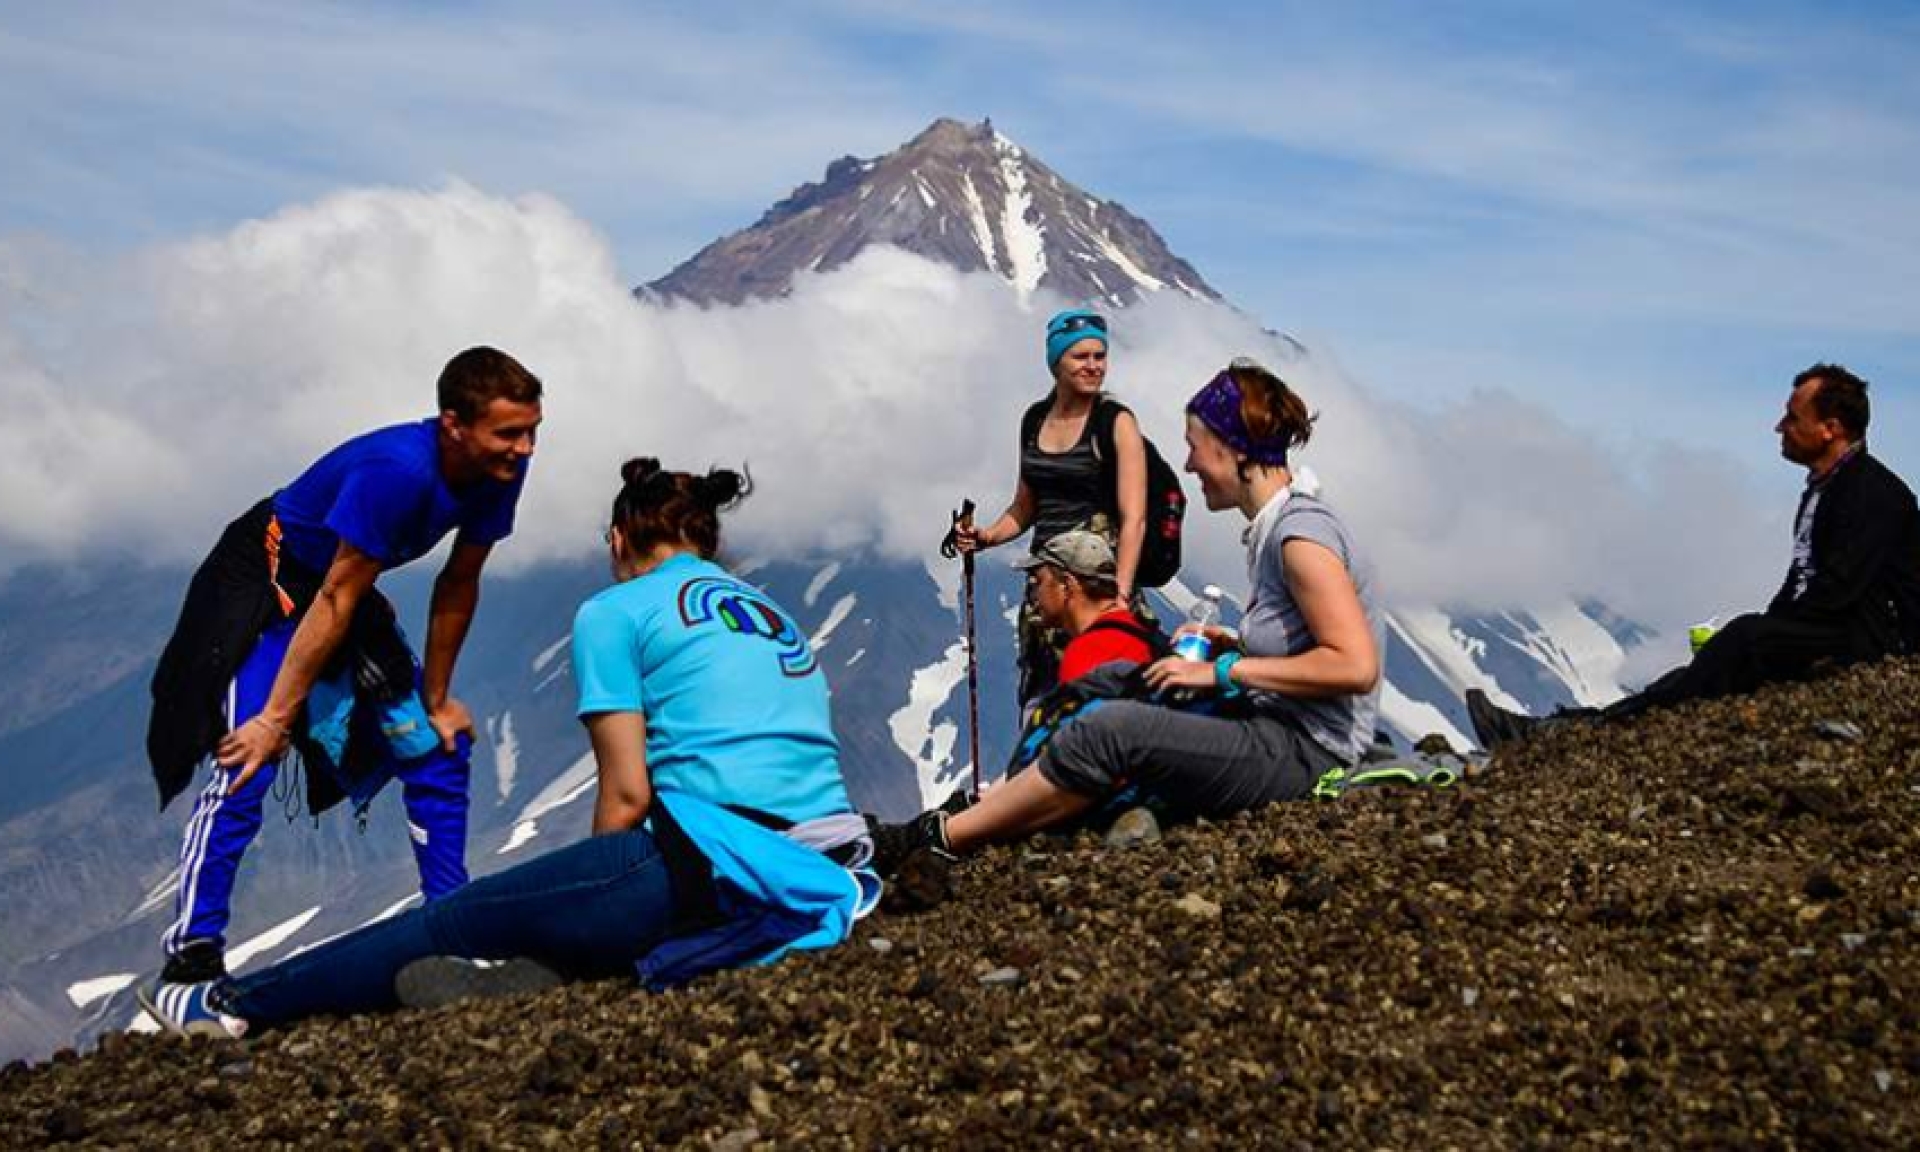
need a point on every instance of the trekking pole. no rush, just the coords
(964, 519)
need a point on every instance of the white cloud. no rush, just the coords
(157, 395)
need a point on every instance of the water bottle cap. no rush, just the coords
(1213, 592)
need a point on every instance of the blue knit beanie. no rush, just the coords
(1069, 328)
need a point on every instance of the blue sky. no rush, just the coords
(1644, 217)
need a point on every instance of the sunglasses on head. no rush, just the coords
(1079, 323)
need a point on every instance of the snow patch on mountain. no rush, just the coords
(547, 654)
(945, 575)
(1576, 649)
(820, 581)
(575, 782)
(977, 216)
(1413, 719)
(1448, 652)
(835, 616)
(272, 938)
(926, 742)
(86, 992)
(158, 897)
(1026, 246)
(506, 753)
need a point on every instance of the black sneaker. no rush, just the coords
(436, 981)
(894, 843)
(200, 962)
(1494, 725)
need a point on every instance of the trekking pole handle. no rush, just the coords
(949, 547)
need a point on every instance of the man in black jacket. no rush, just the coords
(1852, 592)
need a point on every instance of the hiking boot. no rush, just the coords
(189, 1009)
(197, 963)
(1494, 725)
(436, 981)
(894, 843)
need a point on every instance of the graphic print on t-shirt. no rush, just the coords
(745, 612)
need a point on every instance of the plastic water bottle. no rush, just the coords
(1204, 614)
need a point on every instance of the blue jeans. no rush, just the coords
(590, 909)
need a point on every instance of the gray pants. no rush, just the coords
(1202, 765)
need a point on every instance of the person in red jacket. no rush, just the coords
(1073, 588)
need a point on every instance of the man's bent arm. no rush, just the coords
(456, 596)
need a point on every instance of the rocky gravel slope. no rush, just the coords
(1702, 929)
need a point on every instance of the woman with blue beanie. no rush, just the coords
(1083, 464)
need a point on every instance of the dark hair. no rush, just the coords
(656, 506)
(1095, 587)
(1841, 396)
(1270, 409)
(479, 376)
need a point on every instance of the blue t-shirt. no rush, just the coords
(383, 493)
(735, 703)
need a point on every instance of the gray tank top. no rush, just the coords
(1066, 486)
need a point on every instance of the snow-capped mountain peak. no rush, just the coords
(961, 194)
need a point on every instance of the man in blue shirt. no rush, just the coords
(284, 641)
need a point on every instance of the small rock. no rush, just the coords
(1434, 744)
(1435, 840)
(1070, 975)
(1852, 941)
(738, 1140)
(1469, 996)
(1001, 978)
(880, 944)
(760, 1102)
(1198, 906)
(1802, 953)
(1136, 826)
(1820, 885)
(237, 1068)
(1883, 1079)
(1840, 730)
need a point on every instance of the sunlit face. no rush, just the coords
(1083, 367)
(1218, 468)
(494, 445)
(1805, 437)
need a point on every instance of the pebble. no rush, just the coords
(1435, 840)
(1001, 978)
(237, 1068)
(1070, 975)
(1801, 953)
(1851, 941)
(1136, 826)
(1469, 996)
(1883, 1079)
(1198, 906)
(1840, 730)
(880, 944)
(738, 1140)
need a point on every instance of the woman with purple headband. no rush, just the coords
(1295, 693)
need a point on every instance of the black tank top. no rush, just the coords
(1066, 486)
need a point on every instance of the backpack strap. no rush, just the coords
(1155, 640)
(1106, 414)
(1030, 423)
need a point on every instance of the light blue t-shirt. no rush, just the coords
(735, 703)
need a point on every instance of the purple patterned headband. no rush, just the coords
(1218, 407)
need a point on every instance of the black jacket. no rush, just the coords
(230, 602)
(1865, 559)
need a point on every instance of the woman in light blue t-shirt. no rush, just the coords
(722, 831)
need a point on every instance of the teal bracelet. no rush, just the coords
(1223, 673)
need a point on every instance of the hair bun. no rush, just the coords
(638, 470)
(721, 487)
